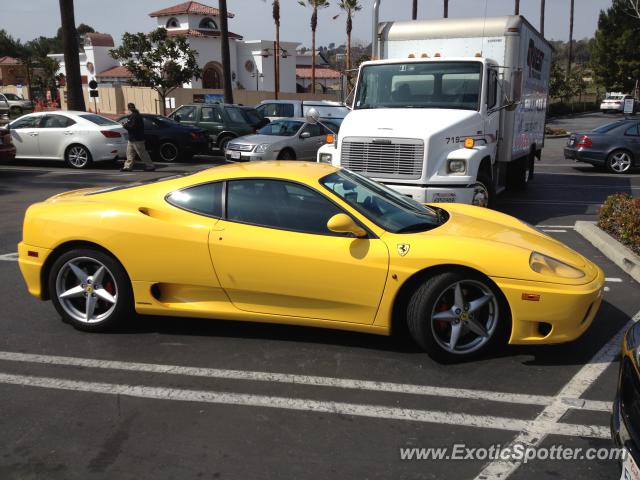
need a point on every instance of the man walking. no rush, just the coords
(135, 127)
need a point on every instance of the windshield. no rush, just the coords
(12, 96)
(454, 85)
(281, 128)
(385, 207)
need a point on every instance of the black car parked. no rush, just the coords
(616, 146)
(169, 141)
(625, 420)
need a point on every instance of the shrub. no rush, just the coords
(620, 217)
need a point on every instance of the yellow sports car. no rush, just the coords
(306, 244)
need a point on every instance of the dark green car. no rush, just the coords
(222, 122)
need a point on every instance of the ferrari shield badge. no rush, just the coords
(403, 249)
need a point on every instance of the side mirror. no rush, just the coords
(511, 106)
(176, 118)
(304, 135)
(312, 116)
(342, 223)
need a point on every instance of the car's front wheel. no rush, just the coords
(619, 161)
(90, 290)
(457, 315)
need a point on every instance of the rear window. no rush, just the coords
(98, 120)
(607, 128)
(235, 115)
(205, 199)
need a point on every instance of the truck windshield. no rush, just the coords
(455, 85)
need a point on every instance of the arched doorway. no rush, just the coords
(212, 75)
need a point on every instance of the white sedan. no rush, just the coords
(78, 138)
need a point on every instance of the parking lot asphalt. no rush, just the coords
(182, 398)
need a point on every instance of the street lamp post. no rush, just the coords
(281, 53)
(257, 75)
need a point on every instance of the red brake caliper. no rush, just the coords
(441, 324)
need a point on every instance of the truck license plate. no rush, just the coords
(444, 198)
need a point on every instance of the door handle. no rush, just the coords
(68, 133)
(33, 134)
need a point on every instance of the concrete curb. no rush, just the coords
(611, 248)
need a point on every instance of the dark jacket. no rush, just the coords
(135, 127)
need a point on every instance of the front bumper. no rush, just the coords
(31, 260)
(434, 194)
(562, 313)
(611, 107)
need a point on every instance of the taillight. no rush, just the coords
(110, 134)
(584, 141)
(194, 136)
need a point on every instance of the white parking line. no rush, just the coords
(344, 383)
(339, 408)
(549, 230)
(537, 429)
(613, 280)
(9, 257)
(568, 227)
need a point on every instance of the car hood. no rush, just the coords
(494, 243)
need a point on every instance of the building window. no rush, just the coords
(208, 24)
(173, 23)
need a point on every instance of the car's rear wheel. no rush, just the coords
(457, 316)
(287, 154)
(78, 156)
(168, 152)
(619, 161)
(90, 290)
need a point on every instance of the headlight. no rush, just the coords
(550, 266)
(326, 158)
(262, 147)
(458, 167)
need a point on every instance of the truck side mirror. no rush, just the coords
(511, 106)
(312, 116)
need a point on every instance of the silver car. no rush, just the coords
(15, 105)
(283, 139)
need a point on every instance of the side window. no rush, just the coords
(286, 110)
(633, 131)
(56, 121)
(149, 124)
(235, 115)
(315, 130)
(492, 92)
(279, 204)
(26, 122)
(187, 113)
(211, 114)
(205, 199)
(270, 110)
(2, 98)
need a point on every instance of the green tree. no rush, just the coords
(350, 7)
(614, 53)
(158, 60)
(315, 6)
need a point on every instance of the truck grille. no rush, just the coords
(384, 157)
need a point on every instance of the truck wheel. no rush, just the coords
(483, 191)
(457, 316)
(518, 173)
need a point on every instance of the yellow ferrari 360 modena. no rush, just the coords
(306, 244)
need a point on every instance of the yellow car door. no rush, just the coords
(273, 254)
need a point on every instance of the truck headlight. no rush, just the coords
(326, 158)
(263, 147)
(458, 167)
(550, 266)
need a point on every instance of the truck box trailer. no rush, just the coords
(452, 110)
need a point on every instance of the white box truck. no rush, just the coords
(453, 111)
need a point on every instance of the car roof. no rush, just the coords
(297, 171)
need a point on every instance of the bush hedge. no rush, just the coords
(562, 108)
(620, 218)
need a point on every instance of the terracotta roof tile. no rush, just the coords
(320, 73)
(189, 7)
(117, 72)
(201, 33)
(9, 61)
(100, 39)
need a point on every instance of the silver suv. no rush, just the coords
(15, 105)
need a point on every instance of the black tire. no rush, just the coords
(484, 189)
(76, 159)
(619, 161)
(223, 141)
(287, 154)
(430, 334)
(114, 281)
(168, 152)
(518, 172)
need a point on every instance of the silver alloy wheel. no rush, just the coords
(620, 162)
(480, 195)
(168, 152)
(78, 156)
(86, 290)
(464, 317)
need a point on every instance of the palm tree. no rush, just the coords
(350, 7)
(75, 97)
(414, 14)
(570, 39)
(226, 56)
(276, 58)
(542, 17)
(446, 9)
(315, 6)
(516, 8)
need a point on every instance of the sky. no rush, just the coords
(27, 19)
